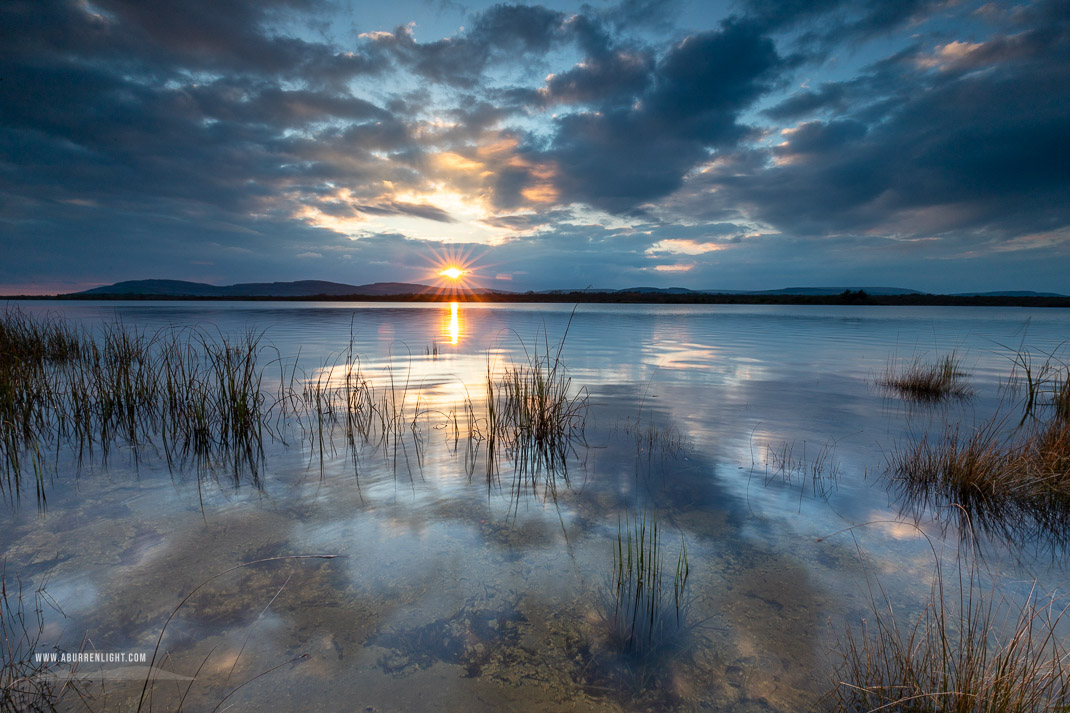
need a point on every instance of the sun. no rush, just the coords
(454, 273)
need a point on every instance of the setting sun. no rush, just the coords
(452, 272)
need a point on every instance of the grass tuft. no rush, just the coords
(1013, 481)
(970, 650)
(648, 612)
(927, 381)
(27, 683)
(534, 413)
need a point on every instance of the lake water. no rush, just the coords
(470, 581)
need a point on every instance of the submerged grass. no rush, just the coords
(534, 415)
(27, 683)
(927, 381)
(646, 612)
(821, 469)
(202, 400)
(970, 650)
(1012, 481)
(655, 437)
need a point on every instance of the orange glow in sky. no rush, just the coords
(452, 272)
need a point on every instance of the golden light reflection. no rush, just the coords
(453, 325)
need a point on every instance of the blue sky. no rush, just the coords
(738, 145)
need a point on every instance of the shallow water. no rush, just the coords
(464, 582)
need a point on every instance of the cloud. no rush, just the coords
(973, 152)
(800, 104)
(500, 31)
(621, 158)
(832, 21)
(618, 77)
(779, 144)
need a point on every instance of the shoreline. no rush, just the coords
(912, 300)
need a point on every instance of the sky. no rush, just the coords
(738, 145)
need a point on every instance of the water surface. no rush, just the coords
(756, 435)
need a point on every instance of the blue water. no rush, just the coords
(756, 435)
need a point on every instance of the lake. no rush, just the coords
(465, 572)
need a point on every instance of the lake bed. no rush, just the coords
(460, 575)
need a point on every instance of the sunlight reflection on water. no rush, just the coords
(753, 432)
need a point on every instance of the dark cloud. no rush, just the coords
(975, 151)
(160, 38)
(419, 210)
(269, 104)
(220, 140)
(657, 15)
(140, 113)
(605, 81)
(621, 158)
(838, 19)
(829, 96)
(524, 222)
(502, 30)
(816, 137)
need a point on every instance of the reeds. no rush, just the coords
(970, 650)
(340, 395)
(200, 398)
(648, 613)
(927, 381)
(820, 468)
(29, 340)
(1014, 481)
(534, 411)
(652, 437)
(28, 680)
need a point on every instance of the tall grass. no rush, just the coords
(534, 412)
(648, 612)
(969, 650)
(27, 684)
(201, 398)
(1012, 480)
(927, 381)
(341, 397)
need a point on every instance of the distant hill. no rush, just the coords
(835, 291)
(783, 291)
(155, 287)
(1009, 293)
(316, 288)
(300, 288)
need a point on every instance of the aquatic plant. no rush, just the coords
(148, 689)
(199, 397)
(648, 614)
(29, 339)
(1013, 481)
(27, 682)
(970, 650)
(655, 437)
(821, 469)
(1046, 385)
(927, 381)
(534, 412)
